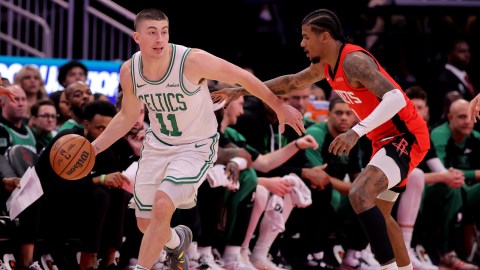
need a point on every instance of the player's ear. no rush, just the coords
(135, 37)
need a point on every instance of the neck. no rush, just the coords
(458, 138)
(332, 59)
(332, 131)
(77, 119)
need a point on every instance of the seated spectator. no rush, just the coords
(71, 72)
(43, 122)
(61, 106)
(77, 94)
(12, 121)
(30, 79)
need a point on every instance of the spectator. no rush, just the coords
(78, 95)
(454, 76)
(454, 142)
(61, 105)
(30, 79)
(43, 122)
(71, 72)
(12, 128)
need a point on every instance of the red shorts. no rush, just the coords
(405, 150)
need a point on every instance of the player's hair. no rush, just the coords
(322, 20)
(34, 109)
(63, 70)
(416, 92)
(104, 108)
(333, 102)
(149, 14)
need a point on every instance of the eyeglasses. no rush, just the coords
(53, 116)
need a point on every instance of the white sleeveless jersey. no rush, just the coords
(179, 111)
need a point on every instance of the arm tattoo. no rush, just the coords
(362, 71)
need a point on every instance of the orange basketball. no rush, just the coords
(72, 157)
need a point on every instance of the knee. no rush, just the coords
(416, 180)
(357, 194)
(163, 207)
(261, 196)
(142, 224)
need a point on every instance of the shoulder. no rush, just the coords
(441, 131)
(358, 61)
(126, 66)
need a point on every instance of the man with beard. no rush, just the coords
(398, 133)
(78, 94)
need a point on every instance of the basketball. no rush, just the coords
(72, 157)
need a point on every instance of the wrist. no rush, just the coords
(102, 179)
(296, 145)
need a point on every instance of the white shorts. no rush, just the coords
(177, 170)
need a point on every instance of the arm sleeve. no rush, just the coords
(392, 102)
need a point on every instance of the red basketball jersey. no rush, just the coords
(363, 102)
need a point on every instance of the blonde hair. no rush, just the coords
(23, 72)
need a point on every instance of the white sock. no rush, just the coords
(205, 250)
(406, 267)
(351, 253)
(231, 253)
(266, 235)
(261, 198)
(390, 266)
(174, 240)
(139, 267)
(409, 203)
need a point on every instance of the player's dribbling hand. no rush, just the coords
(287, 114)
(343, 143)
(225, 94)
(474, 109)
(115, 180)
(5, 92)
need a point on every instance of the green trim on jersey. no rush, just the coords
(182, 67)
(139, 204)
(26, 140)
(132, 71)
(170, 67)
(203, 170)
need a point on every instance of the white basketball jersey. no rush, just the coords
(179, 111)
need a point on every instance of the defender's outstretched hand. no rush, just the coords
(227, 95)
(5, 92)
(287, 114)
(474, 109)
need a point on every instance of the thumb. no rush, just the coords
(324, 166)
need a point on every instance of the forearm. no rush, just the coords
(117, 128)
(266, 163)
(392, 102)
(434, 178)
(341, 186)
(280, 86)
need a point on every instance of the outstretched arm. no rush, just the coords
(280, 85)
(474, 109)
(202, 65)
(125, 118)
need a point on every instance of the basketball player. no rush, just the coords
(399, 135)
(181, 143)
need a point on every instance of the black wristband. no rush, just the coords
(296, 145)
